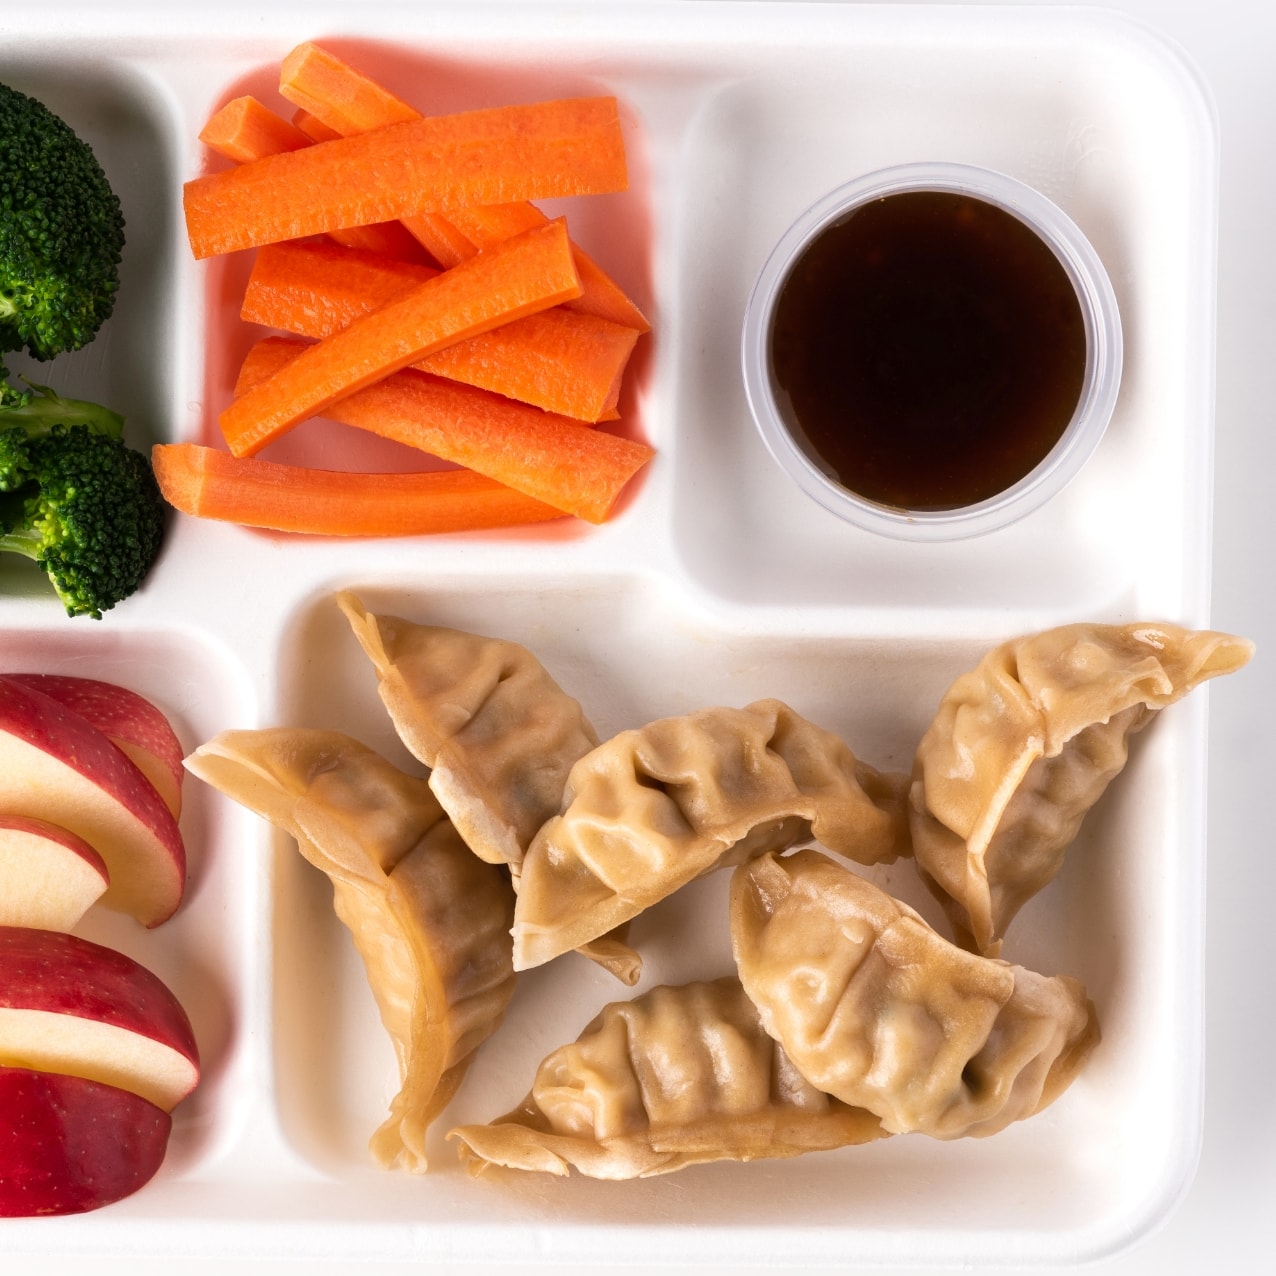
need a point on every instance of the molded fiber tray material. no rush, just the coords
(717, 581)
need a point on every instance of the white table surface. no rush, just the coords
(1226, 1223)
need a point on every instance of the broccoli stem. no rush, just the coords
(26, 541)
(44, 408)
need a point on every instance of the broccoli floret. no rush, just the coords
(78, 500)
(61, 232)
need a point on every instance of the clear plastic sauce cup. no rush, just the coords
(932, 351)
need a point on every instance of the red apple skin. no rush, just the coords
(24, 903)
(68, 1145)
(47, 970)
(149, 885)
(129, 720)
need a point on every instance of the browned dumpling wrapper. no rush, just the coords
(429, 919)
(1023, 746)
(876, 1008)
(497, 732)
(654, 808)
(676, 1077)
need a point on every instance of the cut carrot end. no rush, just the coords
(245, 129)
(552, 458)
(208, 483)
(329, 88)
(569, 147)
(600, 294)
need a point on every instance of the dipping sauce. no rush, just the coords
(932, 350)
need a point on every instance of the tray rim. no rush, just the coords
(674, 1244)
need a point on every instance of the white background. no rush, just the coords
(1227, 1221)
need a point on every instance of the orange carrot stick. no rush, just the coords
(436, 234)
(349, 103)
(245, 129)
(487, 224)
(313, 288)
(313, 127)
(549, 457)
(346, 103)
(389, 239)
(431, 231)
(208, 483)
(564, 362)
(568, 147)
(318, 81)
(528, 273)
(558, 360)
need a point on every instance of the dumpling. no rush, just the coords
(497, 732)
(1024, 745)
(429, 919)
(653, 808)
(678, 1076)
(876, 1008)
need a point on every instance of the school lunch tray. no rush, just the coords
(717, 581)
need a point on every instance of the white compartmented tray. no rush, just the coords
(717, 582)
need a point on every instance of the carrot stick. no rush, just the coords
(390, 239)
(560, 361)
(549, 457)
(209, 483)
(313, 127)
(528, 273)
(349, 103)
(485, 225)
(245, 129)
(440, 238)
(564, 362)
(568, 147)
(318, 81)
(345, 103)
(431, 231)
(313, 288)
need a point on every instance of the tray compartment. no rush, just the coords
(632, 649)
(1084, 120)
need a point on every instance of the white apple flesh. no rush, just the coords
(130, 721)
(57, 766)
(49, 877)
(68, 1144)
(71, 1006)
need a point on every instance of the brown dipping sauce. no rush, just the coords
(932, 349)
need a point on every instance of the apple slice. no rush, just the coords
(57, 766)
(49, 877)
(68, 1144)
(129, 720)
(72, 1006)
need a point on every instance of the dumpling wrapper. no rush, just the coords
(1023, 745)
(876, 1008)
(497, 732)
(654, 808)
(429, 919)
(676, 1077)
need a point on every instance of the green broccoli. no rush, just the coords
(77, 499)
(61, 232)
